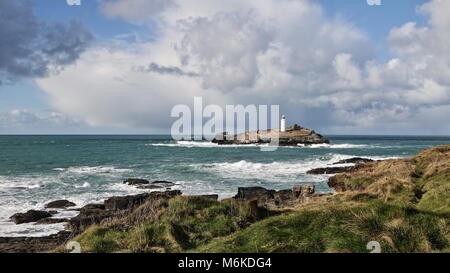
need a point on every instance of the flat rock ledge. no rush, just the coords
(33, 244)
(294, 136)
(271, 199)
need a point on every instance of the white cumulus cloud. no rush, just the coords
(322, 71)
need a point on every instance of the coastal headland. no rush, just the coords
(403, 204)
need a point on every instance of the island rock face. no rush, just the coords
(293, 136)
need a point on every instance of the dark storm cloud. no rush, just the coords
(31, 47)
(166, 70)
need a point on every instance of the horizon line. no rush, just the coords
(108, 134)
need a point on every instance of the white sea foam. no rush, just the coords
(199, 144)
(278, 170)
(84, 185)
(12, 204)
(335, 146)
(92, 170)
(274, 171)
(205, 144)
(24, 182)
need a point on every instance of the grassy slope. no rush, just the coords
(180, 224)
(423, 180)
(403, 204)
(341, 228)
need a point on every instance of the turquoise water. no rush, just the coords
(84, 169)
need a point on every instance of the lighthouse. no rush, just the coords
(283, 124)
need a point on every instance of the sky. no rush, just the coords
(119, 66)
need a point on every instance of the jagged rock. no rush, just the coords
(93, 214)
(59, 204)
(90, 214)
(303, 190)
(271, 199)
(338, 186)
(260, 194)
(355, 160)
(93, 206)
(331, 170)
(132, 201)
(29, 216)
(136, 181)
(247, 193)
(293, 136)
(283, 197)
(213, 197)
(49, 221)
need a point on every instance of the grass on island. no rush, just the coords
(402, 204)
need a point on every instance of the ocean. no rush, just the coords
(35, 170)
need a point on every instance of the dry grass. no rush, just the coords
(423, 179)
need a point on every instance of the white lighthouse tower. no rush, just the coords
(283, 124)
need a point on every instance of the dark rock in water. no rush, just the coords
(132, 201)
(331, 170)
(53, 212)
(33, 244)
(355, 160)
(155, 185)
(59, 204)
(135, 181)
(49, 221)
(149, 187)
(293, 136)
(29, 216)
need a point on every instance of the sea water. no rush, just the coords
(35, 170)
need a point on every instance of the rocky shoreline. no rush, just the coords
(261, 199)
(34, 244)
(402, 197)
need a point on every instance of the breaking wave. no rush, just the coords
(92, 170)
(205, 144)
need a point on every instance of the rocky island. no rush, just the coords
(294, 135)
